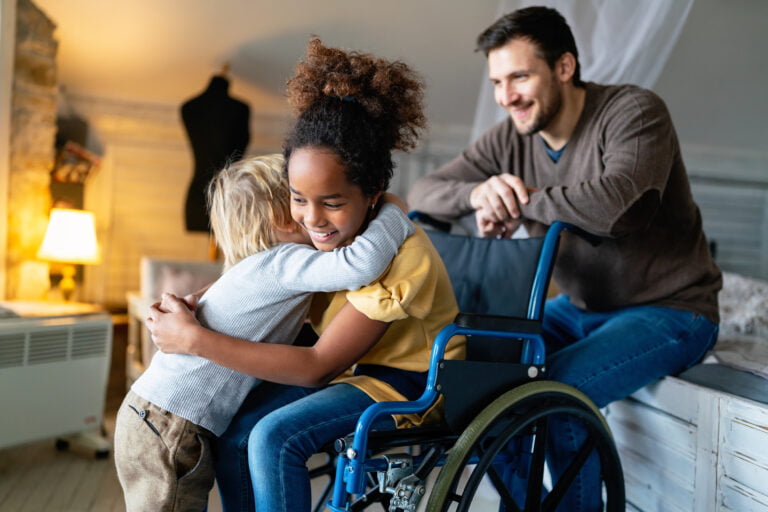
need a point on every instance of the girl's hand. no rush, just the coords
(172, 323)
(191, 300)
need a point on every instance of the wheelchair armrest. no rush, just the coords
(498, 323)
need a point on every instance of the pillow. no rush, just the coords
(743, 339)
(743, 306)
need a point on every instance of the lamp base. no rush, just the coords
(67, 283)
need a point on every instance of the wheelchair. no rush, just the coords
(497, 403)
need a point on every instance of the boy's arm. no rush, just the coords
(347, 268)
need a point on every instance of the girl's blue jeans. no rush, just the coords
(261, 459)
(608, 356)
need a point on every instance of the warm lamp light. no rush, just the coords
(70, 239)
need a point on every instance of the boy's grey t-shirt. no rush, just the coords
(264, 297)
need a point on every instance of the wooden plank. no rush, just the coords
(642, 498)
(678, 398)
(744, 470)
(651, 487)
(733, 496)
(96, 475)
(652, 426)
(705, 481)
(109, 497)
(33, 463)
(17, 464)
(745, 430)
(58, 479)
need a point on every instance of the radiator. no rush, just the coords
(53, 376)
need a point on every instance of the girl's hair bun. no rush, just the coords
(389, 91)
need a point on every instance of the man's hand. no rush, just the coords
(488, 228)
(497, 203)
(500, 196)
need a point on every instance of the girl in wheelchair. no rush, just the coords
(352, 110)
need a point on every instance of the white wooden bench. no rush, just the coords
(697, 442)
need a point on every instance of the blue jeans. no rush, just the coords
(261, 459)
(608, 356)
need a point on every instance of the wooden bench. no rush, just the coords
(695, 442)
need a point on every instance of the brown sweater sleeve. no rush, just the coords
(444, 193)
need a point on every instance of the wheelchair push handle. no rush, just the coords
(425, 218)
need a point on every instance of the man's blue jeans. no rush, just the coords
(261, 459)
(608, 356)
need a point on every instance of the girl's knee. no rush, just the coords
(265, 440)
(271, 438)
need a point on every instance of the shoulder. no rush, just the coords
(409, 287)
(418, 244)
(604, 98)
(614, 109)
(416, 256)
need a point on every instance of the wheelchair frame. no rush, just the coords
(537, 400)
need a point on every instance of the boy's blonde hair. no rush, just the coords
(247, 199)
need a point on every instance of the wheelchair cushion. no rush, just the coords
(489, 276)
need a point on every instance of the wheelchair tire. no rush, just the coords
(521, 412)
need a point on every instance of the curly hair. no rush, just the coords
(358, 106)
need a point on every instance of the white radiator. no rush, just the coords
(53, 376)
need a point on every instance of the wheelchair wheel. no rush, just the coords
(519, 418)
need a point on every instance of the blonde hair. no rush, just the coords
(247, 199)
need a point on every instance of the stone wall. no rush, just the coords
(33, 131)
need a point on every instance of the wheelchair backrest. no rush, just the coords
(490, 276)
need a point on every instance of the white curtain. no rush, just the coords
(619, 41)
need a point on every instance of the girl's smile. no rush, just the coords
(323, 201)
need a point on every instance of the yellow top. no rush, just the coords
(416, 296)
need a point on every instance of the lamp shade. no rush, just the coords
(70, 238)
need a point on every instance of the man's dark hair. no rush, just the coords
(544, 27)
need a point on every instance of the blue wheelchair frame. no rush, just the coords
(353, 464)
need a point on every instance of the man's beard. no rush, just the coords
(548, 112)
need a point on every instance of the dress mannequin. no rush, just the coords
(217, 126)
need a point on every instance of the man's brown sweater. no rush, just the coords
(622, 177)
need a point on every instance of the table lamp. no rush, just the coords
(71, 240)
